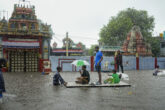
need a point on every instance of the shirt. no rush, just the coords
(86, 74)
(116, 78)
(98, 57)
(119, 59)
(57, 79)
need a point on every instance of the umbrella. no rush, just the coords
(79, 62)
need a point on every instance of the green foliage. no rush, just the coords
(91, 50)
(115, 32)
(155, 44)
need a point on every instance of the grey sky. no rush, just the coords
(83, 19)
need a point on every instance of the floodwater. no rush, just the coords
(33, 91)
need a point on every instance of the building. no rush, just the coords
(110, 50)
(161, 38)
(71, 52)
(69, 48)
(24, 40)
(135, 43)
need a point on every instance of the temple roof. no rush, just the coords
(135, 43)
(23, 21)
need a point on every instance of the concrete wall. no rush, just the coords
(106, 63)
(129, 63)
(161, 62)
(146, 63)
(65, 62)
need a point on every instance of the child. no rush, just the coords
(57, 79)
(85, 77)
(115, 78)
(156, 71)
(2, 83)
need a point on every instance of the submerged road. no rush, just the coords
(33, 91)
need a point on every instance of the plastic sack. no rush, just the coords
(162, 73)
(124, 76)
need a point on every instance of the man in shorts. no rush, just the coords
(98, 59)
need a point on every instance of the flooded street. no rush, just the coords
(33, 91)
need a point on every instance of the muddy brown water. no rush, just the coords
(33, 91)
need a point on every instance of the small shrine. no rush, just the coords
(24, 40)
(72, 49)
(135, 43)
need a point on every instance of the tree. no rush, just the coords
(115, 32)
(91, 50)
(155, 44)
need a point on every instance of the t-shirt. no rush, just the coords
(57, 79)
(116, 78)
(98, 57)
(86, 74)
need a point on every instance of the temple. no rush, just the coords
(73, 49)
(24, 40)
(135, 43)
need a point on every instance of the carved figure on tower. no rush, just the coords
(135, 43)
(70, 42)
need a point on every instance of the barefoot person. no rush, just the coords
(115, 78)
(98, 59)
(57, 79)
(85, 77)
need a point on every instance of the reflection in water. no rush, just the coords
(38, 92)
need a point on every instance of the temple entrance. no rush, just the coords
(23, 60)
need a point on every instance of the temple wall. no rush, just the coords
(129, 63)
(65, 62)
(161, 62)
(146, 63)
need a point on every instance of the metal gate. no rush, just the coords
(23, 61)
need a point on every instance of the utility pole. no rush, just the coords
(67, 43)
(3, 13)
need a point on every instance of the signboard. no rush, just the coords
(46, 64)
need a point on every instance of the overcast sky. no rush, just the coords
(83, 19)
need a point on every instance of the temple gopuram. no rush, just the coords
(73, 49)
(24, 40)
(135, 44)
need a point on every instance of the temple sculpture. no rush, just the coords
(135, 43)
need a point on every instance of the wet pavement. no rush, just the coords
(33, 91)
